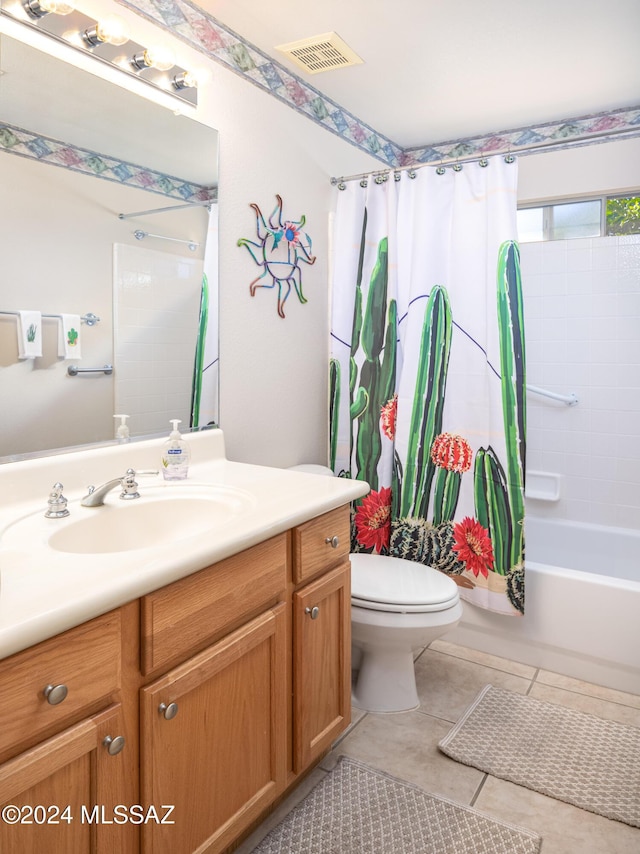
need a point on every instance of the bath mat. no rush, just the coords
(571, 756)
(356, 809)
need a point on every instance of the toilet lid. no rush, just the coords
(383, 583)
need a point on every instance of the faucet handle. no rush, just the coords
(129, 484)
(57, 503)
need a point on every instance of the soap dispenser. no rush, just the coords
(122, 432)
(175, 455)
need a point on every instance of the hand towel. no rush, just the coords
(69, 336)
(29, 334)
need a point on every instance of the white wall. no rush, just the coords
(582, 320)
(274, 392)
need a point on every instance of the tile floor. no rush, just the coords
(405, 745)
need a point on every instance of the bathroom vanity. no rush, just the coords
(171, 720)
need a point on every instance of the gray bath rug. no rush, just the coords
(358, 810)
(571, 756)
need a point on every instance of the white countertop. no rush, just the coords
(44, 592)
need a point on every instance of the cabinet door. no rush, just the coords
(64, 791)
(321, 664)
(214, 738)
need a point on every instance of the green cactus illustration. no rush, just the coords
(428, 403)
(72, 337)
(32, 331)
(374, 334)
(513, 383)
(445, 495)
(334, 405)
(431, 545)
(196, 384)
(492, 506)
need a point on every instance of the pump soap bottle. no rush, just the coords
(122, 432)
(175, 455)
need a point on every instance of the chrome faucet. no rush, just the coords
(95, 497)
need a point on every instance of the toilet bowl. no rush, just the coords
(398, 607)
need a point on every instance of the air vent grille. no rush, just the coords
(320, 53)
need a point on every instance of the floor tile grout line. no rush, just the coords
(477, 792)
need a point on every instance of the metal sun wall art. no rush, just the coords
(280, 249)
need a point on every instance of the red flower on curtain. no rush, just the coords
(388, 415)
(452, 452)
(373, 520)
(473, 546)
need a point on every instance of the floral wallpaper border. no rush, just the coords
(33, 146)
(205, 33)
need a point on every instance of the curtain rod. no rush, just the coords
(381, 175)
(206, 204)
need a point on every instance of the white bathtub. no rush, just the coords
(582, 606)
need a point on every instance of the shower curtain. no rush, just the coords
(427, 373)
(205, 391)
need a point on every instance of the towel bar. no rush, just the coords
(74, 370)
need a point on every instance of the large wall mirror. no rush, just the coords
(65, 250)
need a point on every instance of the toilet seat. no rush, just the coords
(394, 585)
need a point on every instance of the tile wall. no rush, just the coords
(582, 318)
(156, 309)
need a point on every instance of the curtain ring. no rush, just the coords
(457, 167)
(483, 162)
(440, 170)
(412, 173)
(364, 183)
(341, 185)
(397, 176)
(509, 158)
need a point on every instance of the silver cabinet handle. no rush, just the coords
(334, 542)
(314, 612)
(168, 712)
(114, 745)
(55, 694)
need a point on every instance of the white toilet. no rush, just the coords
(397, 608)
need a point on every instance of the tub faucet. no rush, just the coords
(95, 496)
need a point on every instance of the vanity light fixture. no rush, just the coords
(153, 68)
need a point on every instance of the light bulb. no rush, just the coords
(40, 8)
(191, 79)
(158, 56)
(109, 30)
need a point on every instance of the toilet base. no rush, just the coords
(386, 682)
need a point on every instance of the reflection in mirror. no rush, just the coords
(75, 153)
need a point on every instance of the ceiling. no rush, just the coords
(440, 71)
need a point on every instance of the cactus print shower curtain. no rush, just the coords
(427, 373)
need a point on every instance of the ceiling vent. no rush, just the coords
(320, 53)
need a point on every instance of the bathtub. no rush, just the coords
(582, 607)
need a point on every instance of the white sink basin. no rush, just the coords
(160, 516)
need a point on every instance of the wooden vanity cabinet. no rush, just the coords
(63, 730)
(214, 728)
(321, 635)
(228, 684)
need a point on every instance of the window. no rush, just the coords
(613, 215)
(623, 215)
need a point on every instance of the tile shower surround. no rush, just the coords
(582, 321)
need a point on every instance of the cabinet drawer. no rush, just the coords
(184, 617)
(321, 543)
(86, 660)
